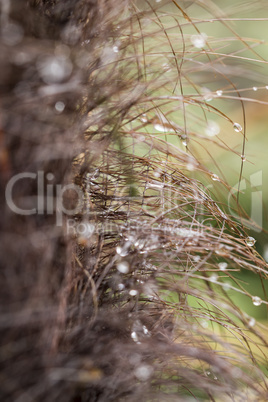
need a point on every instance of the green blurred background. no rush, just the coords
(238, 28)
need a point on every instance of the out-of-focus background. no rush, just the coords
(254, 189)
(231, 70)
(252, 84)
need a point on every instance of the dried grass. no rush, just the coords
(137, 307)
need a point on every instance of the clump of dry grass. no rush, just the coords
(129, 299)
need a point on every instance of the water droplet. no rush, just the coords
(256, 300)
(59, 106)
(115, 49)
(121, 286)
(141, 138)
(255, 89)
(157, 173)
(196, 258)
(160, 127)
(190, 167)
(250, 241)
(143, 372)
(207, 94)
(123, 267)
(184, 139)
(237, 127)
(54, 69)
(199, 41)
(134, 336)
(215, 177)
(121, 251)
(144, 118)
(85, 42)
(133, 292)
(222, 266)
(212, 128)
(266, 87)
(145, 330)
(214, 278)
(243, 158)
(163, 128)
(251, 322)
(219, 92)
(155, 184)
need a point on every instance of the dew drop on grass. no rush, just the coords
(222, 266)
(141, 138)
(160, 127)
(266, 87)
(133, 292)
(85, 42)
(237, 127)
(155, 185)
(207, 94)
(134, 336)
(145, 330)
(214, 278)
(143, 372)
(251, 322)
(255, 89)
(199, 41)
(215, 177)
(59, 106)
(219, 92)
(122, 251)
(123, 267)
(115, 49)
(250, 241)
(190, 167)
(212, 128)
(144, 118)
(243, 158)
(121, 286)
(256, 300)
(54, 69)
